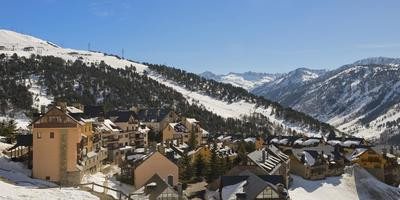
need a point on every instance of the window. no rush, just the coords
(38, 135)
(268, 193)
(51, 134)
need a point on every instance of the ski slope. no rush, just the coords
(234, 110)
(13, 42)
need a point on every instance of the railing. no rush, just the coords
(121, 195)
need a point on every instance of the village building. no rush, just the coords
(267, 161)
(63, 146)
(157, 188)
(380, 162)
(316, 162)
(184, 130)
(156, 119)
(139, 168)
(248, 186)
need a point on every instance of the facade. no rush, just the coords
(57, 144)
(379, 162)
(182, 131)
(141, 167)
(156, 119)
(158, 189)
(268, 161)
(316, 162)
(248, 186)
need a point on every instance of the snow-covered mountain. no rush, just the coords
(24, 45)
(264, 82)
(296, 77)
(246, 80)
(362, 98)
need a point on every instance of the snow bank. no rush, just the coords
(12, 192)
(355, 184)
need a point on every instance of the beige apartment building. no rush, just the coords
(57, 147)
(138, 168)
(65, 146)
(182, 131)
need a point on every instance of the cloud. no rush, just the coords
(378, 46)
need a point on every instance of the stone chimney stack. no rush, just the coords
(63, 106)
(42, 109)
(263, 156)
(180, 191)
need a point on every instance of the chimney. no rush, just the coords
(180, 191)
(384, 151)
(42, 109)
(263, 155)
(391, 151)
(79, 106)
(63, 106)
(303, 158)
(241, 196)
(281, 190)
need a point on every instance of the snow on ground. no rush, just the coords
(39, 94)
(15, 183)
(16, 42)
(355, 184)
(13, 192)
(226, 110)
(20, 119)
(100, 178)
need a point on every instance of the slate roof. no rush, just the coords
(315, 151)
(153, 115)
(254, 184)
(272, 162)
(179, 127)
(121, 115)
(93, 111)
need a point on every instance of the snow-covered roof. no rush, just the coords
(72, 109)
(309, 159)
(250, 139)
(229, 192)
(192, 120)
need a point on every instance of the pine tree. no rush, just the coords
(200, 166)
(214, 164)
(192, 143)
(186, 169)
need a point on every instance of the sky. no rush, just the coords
(217, 35)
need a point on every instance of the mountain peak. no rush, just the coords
(378, 61)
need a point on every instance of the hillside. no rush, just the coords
(360, 98)
(55, 73)
(248, 80)
(357, 99)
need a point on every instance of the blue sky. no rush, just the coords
(217, 35)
